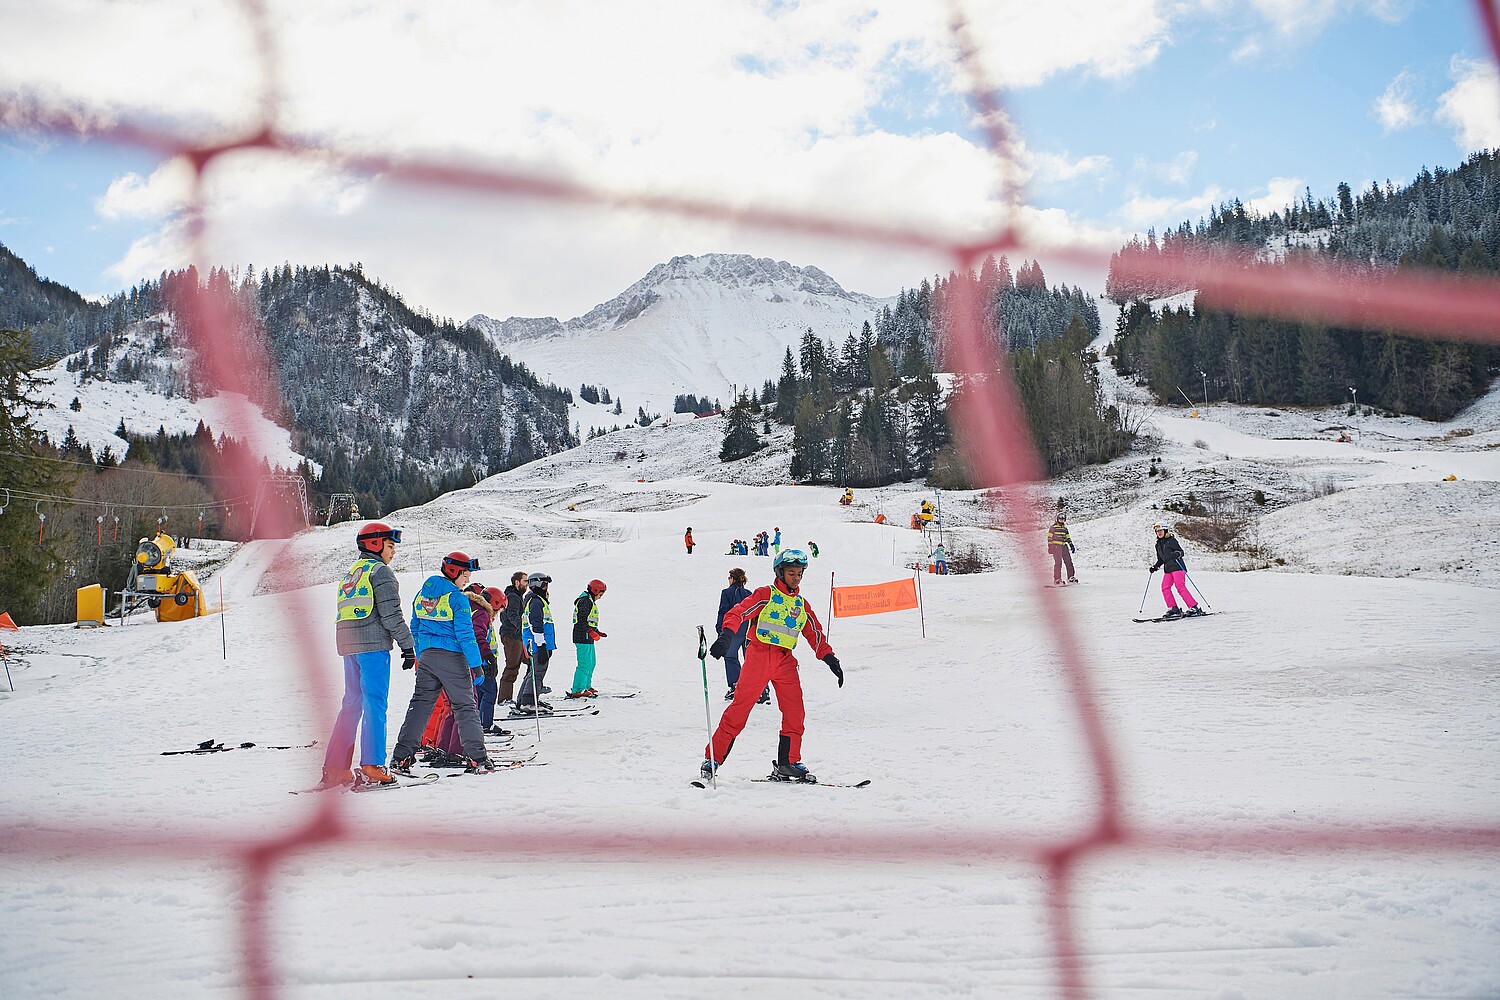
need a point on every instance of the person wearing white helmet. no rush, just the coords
(1173, 566)
(778, 615)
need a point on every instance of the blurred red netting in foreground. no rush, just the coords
(1420, 304)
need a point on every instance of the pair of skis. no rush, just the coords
(702, 782)
(213, 746)
(1173, 618)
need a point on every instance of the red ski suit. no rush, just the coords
(765, 663)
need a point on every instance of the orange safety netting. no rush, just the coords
(996, 444)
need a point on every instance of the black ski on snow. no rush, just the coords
(557, 714)
(609, 694)
(703, 782)
(1164, 618)
(214, 746)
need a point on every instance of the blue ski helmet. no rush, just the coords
(789, 557)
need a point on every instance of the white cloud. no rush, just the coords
(162, 195)
(1472, 106)
(1177, 170)
(1144, 211)
(1396, 108)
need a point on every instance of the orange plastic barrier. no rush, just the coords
(879, 518)
(875, 599)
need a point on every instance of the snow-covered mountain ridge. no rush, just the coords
(695, 324)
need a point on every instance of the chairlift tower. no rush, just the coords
(281, 485)
(347, 499)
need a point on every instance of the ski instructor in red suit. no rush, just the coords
(778, 614)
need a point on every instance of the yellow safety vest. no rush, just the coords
(593, 611)
(434, 611)
(356, 593)
(780, 621)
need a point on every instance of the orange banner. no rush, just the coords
(876, 599)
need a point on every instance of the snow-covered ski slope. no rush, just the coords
(1314, 699)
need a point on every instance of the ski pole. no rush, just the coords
(1149, 575)
(1199, 589)
(536, 693)
(708, 715)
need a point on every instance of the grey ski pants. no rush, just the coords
(441, 670)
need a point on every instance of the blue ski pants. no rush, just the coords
(367, 688)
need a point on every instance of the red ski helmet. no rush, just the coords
(371, 537)
(455, 563)
(596, 587)
(496, 597)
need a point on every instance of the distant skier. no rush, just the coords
(779, 614)
(369, 621)
(687, 539)
(1174, 573)
(812, 547)
(1059, 546)
(444, 633)
(940, 560)
(585, 634)
(776, 542)
(540, 640)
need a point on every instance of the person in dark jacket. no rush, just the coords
(728, 598)
(585, 634)
(540, 639)
(510, 637)
(370, 620)
(1174, 572)
(1059, 547)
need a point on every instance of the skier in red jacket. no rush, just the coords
(777, 614)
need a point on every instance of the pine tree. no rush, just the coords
(27, 562)
(740, 438)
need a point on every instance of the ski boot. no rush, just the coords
(404, 765)
(793, 772)
(729, 695)
(481, 766)
(495, 730)
(765, 697)
(371, 774)
(1194, 611)
(577, 694)
(709, 768)
(335, 777)
(1173, 613)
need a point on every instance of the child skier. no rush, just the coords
(369, 621)
(1174, 573)
(585, 634)
(778, 613)
(687, 539)
(539, 638)
(448, 654)
(1059, 545)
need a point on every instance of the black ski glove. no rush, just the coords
(1154, 567)
(721, 644)
(408, 659)
(833, 664)
(1072, 547)
(491, 662)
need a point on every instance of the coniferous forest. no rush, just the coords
(872, 411)
(1444, 220)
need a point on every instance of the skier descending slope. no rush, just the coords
(777, 613)
(1173, 573)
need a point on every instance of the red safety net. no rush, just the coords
(996, 445)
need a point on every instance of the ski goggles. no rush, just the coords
(471, 565)
(394, 534)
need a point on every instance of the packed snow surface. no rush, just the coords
(1349, 681)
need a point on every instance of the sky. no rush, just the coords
(1121, 117)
